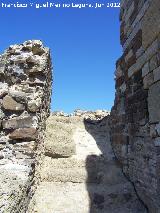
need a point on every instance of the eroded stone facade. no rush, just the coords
(135, 116)
(25, 91)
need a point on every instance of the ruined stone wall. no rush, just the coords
(135, 116)
(25, 91)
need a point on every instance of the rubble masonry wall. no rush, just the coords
(25, 93)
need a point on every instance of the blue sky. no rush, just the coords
(84, 44)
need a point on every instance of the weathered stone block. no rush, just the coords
(156, 74)
(130, 11)
(10, 104)
(151, 50)
(145, 69)
(154, 103)
(20, 122)
(38, 50)
(119, 81)
(59, 141)
(19, 96)
(24, 133)
(54, 149)
(3, 89)
(131, 61)
(132, 35)
(148, 80)
(141, 12)
(137, 41)
(129, 55)
(139, 52)
(34, 105)
(150, 23)
(153, 63)
(118, 72)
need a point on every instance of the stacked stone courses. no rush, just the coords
(135, 116)
(25, 90)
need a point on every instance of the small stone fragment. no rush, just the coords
(34, 105)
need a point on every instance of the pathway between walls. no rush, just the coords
(78, 172)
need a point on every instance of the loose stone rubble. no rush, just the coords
(135, 117)
(25, 90)
(89, 115)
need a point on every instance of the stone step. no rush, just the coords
(58, 141)
(94, 170)
(81, 198)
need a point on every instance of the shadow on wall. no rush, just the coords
(108, 189)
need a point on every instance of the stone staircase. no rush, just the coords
(78, 172)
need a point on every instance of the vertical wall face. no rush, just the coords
(25, 90)
(135, 116)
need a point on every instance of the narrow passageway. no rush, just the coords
(78, 172)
